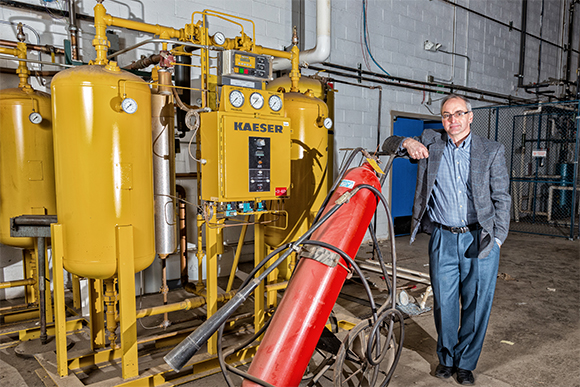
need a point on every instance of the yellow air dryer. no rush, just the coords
(103, 165)
(26, 159)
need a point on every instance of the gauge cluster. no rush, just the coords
(251, 100)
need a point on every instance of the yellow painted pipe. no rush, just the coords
(13, 284)
(187, 304)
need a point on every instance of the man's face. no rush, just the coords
(456, 127)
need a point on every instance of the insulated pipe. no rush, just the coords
(313, 290)
(321, 50)
(162, 126)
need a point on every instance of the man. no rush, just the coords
(462, 199)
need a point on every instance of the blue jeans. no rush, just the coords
(461, 280)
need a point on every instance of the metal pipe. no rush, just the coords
(165, 291)
(187, 304)
(42, 288)
(162, 126)
(524, 23)
(571, 13)
(72, 28)
(540, 46)
(154, 40)
(321, 51)
(373, 268)
(110, 297)
(511, 27)
(35, 220)
(47, 48)
(35, 61)
(14, 284)
(182, 235)
(416, 84)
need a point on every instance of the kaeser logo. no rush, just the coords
(257, 127)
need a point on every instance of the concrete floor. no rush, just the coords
(533, 337)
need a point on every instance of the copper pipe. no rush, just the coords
(144, 63)
(47, 48)
(182, 235)
(165, 291)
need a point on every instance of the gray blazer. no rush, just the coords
(489, 184)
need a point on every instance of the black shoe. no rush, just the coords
(465, 377)
(443, 372)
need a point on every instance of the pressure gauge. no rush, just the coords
(236, 98)
(327, 123)
(256, 100)
(275, 103)
(129, 105)
(35, 118)
(219, 38)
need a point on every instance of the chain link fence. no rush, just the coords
(542, 148)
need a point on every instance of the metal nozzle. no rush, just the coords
(21, 35)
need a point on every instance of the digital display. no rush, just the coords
(260, 153)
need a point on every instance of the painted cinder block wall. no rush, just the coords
(397, 30)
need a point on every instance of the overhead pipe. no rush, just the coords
(321, 50)
(524, 23)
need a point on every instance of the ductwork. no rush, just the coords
(321, 51)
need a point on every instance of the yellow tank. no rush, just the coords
(309, 166)
(103, 166)
(26, 159)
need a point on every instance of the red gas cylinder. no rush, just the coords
(296, 327)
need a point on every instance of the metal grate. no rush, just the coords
(542, 148)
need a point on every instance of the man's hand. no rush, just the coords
(415, 149)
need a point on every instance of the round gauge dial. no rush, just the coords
(219, 38)
(35, 118)
(328, 123)
(275, 103)
(129, 105)
(256, 100)
(236, 98)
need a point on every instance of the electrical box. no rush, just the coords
(247, 153)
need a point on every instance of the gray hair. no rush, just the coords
(453, 96)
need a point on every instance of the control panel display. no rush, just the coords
(245, 65)
(259, 163)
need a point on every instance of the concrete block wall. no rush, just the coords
(397, 30)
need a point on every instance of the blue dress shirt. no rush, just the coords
(451, 201)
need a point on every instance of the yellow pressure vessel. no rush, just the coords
(309, 167)
(103, 167)
(26, 159)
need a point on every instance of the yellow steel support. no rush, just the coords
(47, 293)
(259, 255)
(34, 333)
(59, 306)
(97, 313)
(30, 291)
(127, 304)
(272, 294)
(238, 253)
(213, 237)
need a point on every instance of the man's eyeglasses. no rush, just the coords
(457, 114)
